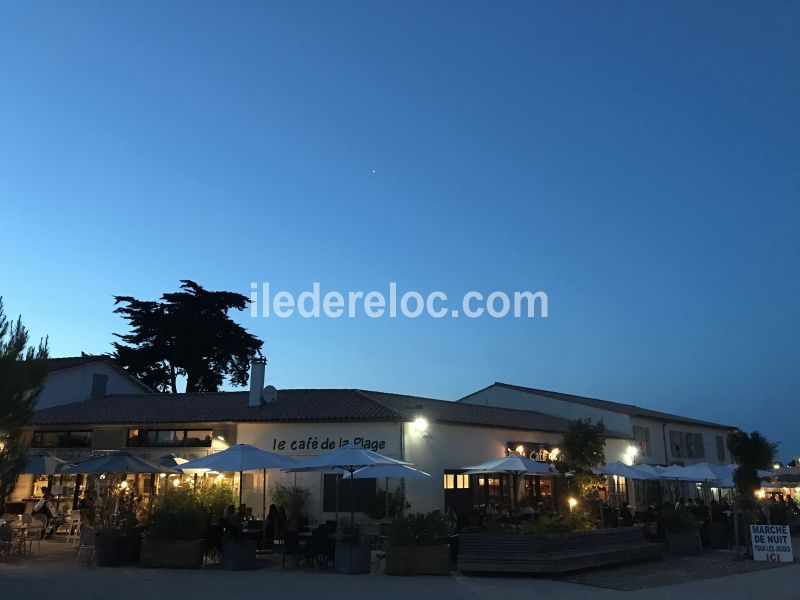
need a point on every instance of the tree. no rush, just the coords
(752, 453)
(186, 334)
(22, 372)
(583, 448)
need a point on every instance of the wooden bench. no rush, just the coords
(554, 552)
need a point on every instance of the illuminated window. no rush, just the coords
(456, 481)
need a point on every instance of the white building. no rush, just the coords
(440, 437)
(75, 378)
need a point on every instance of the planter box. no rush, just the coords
(177, 554)
(109, 549)
(239, 555)
(553, 552)
(353, 559)
(418, 560)
(683, 543)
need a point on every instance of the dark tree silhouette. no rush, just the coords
(22, 372)
(752, 453)
(186, 334)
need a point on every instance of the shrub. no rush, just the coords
(215, 496)
(377, 507)
(178, 515)
(676, 521)
(576, 520)
(420, 529)
(293, 499)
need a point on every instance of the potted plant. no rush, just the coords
(175, 533)
(417, 545)
(114, 523)
(680, 531)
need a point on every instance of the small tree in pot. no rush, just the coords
(175, 533)
(417, 545)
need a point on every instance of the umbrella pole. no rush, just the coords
(352, 508)
(386, 515)
(264, 511)
(240, 487)
(264, 496)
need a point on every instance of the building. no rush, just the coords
(440, 437)
(75, 378)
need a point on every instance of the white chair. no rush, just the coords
(73, 526)
(87, 537)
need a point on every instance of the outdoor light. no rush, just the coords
(420, 424)
(572, 503)
(553, 454)
(162, 475)
(520, 449)
(776, 466)
(123, 485)
(221, 438)
(176, 482)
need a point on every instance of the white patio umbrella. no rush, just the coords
(695, 473)
(349, 459)
(388, 472)
(620, 469)
(116, 462)
(514, 465)
(241, 458)
(43, 463)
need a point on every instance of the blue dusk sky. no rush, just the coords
(637, 161)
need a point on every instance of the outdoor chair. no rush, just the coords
(74, 526)
(7, 539)
(34, 533)
(291, 547)
(26, 518)
(87, 537)
(6, 517)
(321, 547)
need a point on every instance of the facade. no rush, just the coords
(75, 378)
(439, 437)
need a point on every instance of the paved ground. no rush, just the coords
(53, 574)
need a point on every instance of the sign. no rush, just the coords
(771, 543)
(324, 444)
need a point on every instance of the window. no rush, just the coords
(363, 494)
(720, 448)
(138, 438)
(62, 439)
(687, 444)
(456, 481)
(642, 437)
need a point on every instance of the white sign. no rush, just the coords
(771, 543)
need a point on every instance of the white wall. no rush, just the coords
(304, 440)
(74, 384)
(504, 397)
(659, 434)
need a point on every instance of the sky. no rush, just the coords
(636, 161)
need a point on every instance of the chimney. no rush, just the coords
(257, 367)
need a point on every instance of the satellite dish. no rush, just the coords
(270, 394)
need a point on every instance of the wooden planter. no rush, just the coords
(109, 549)
(684, 543)
(175, 554)
(353, 559)
(239, 555)
(418, 560)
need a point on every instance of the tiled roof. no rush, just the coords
(300, 405)
(67, 362)
(290, 405)
(628, 409)
(462, 413)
